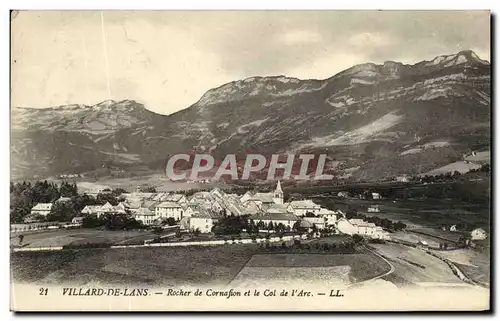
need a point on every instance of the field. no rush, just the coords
(444, 236)
(61, 237)
(417, 213)
(415, 267)
(310, 269)
(168, 266)
(415, 238)
(162, 266)
(475, 264)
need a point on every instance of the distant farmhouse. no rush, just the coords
(478, 234)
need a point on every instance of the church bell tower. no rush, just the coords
(278, 194)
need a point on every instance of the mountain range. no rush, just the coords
(374, 121)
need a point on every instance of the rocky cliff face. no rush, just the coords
(375, 121)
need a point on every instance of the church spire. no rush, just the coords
(278, 187)
(278, 194)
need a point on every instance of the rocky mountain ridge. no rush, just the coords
(366, 118)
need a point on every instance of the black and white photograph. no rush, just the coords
(250, 160)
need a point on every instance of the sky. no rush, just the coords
(167, 60)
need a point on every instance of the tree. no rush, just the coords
(296, 227)
(91, 221)
(252, 227)
(357, 238)
(229, 225)
(118, 191)
(21, 238)
(462, 241)
(279, 228)
(67, 189)
(170, 221)
(102, 199)
(310, 214)
(120, 222)
(351, 213)
(399, 226)
(148, 189)
(196, 232)
(61, 212)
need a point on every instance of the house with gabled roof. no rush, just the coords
(145, 216)
(176, 198)
(91, 209)
(41, 209)
(300, 208)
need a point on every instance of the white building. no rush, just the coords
(376, 196)
(245, 197)
(330, 217)
(360, 227)
(91, 209)
(121, 208)
(203, 221)
(373, 209)
(478, 234)
(285, 219)
(41, 209)
(344, 194)
(169, 209)
(300, 208)
(278, 209)
(145, 216)
(189, 210)
(107, 208)
(319, 222)
(403, 179)
(346, 227)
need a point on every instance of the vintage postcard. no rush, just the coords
(250, 161)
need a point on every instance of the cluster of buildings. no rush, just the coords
(202, 210)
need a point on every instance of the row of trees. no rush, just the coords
(112, 222)
(345, 247)
(24, 196)
(230, 224)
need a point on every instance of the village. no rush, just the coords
(201, 212)
(236, 227)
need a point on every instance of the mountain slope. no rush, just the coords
(375, 120)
